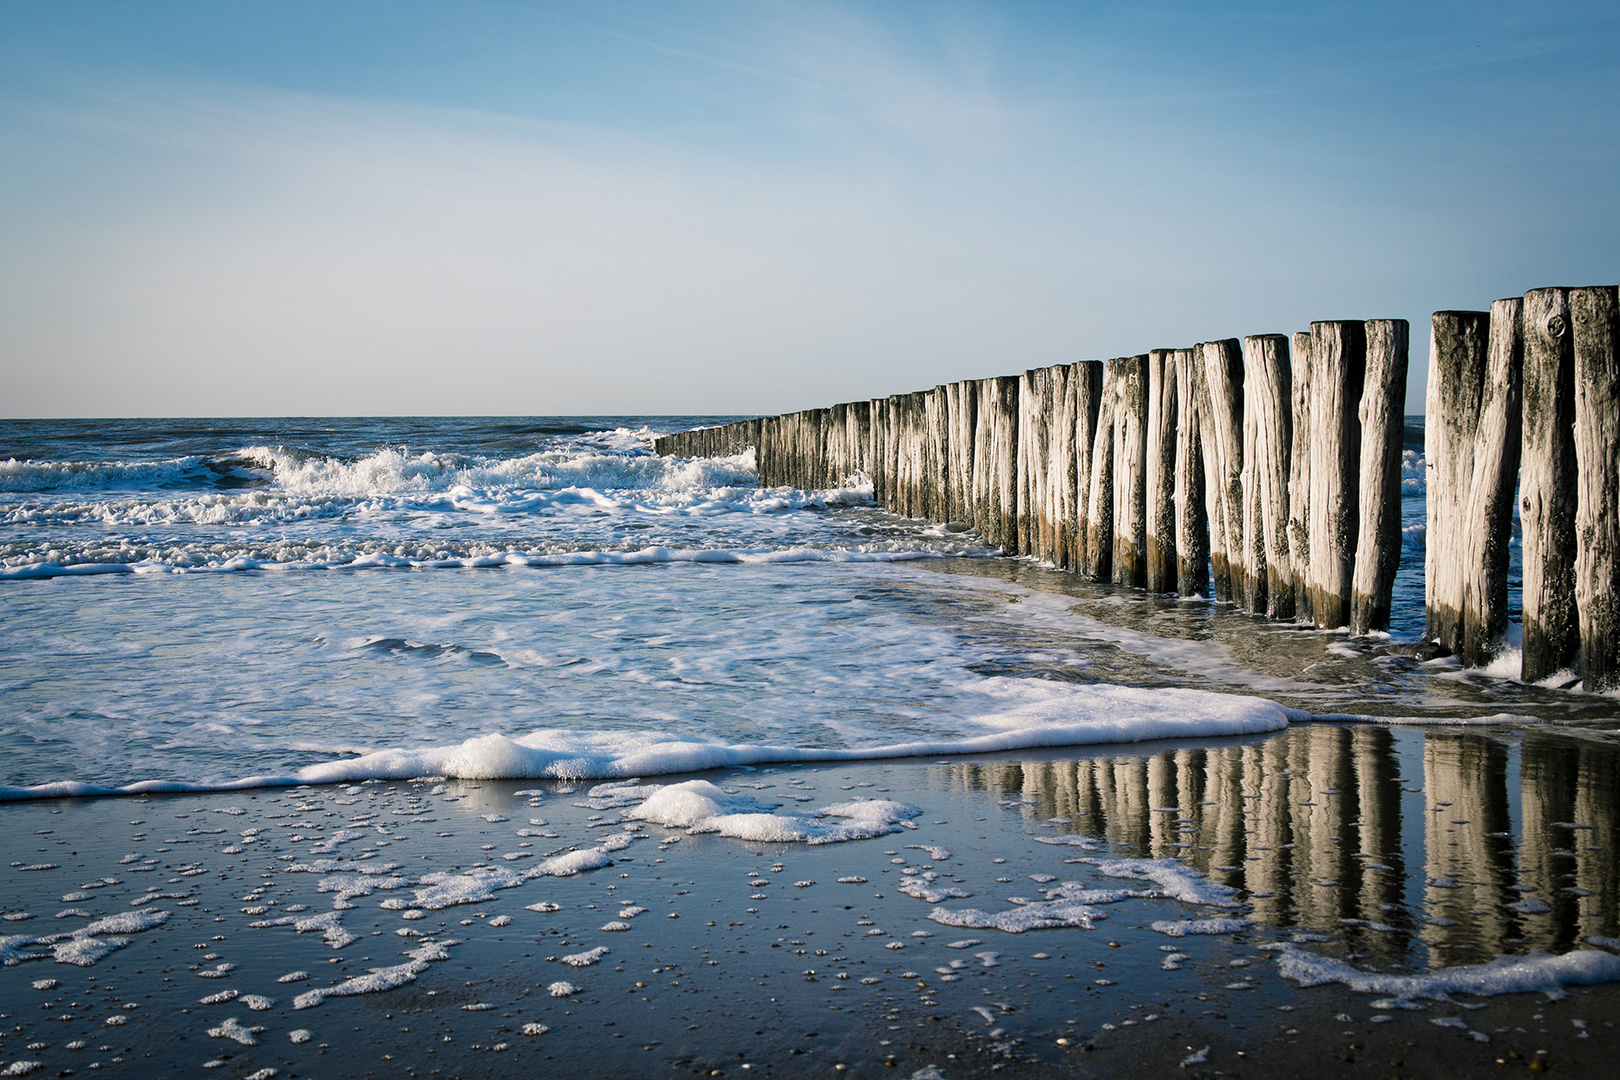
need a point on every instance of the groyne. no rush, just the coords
(1267, 471)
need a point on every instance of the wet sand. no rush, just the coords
(795, 959)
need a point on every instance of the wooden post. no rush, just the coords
(836, 459)
(1130, 472)
(1099, 554)
(1596, 317)
(1547, 491)
(765, 454)
(1338, 372)
(937, 417)
(1034, 418)
(1162, 437)
(1267, 444)
(1472, 436)
(1220, 431)
(1006, 445)
(995, 465)
(913, 452)
(1488, 525)
(1459, 352)
(1192, 521)
(893, 435)
(878, 439)
(1383, 436)
(1060, 469)
(1086, 383)
(961, 400)
(860, 438)
(1299, 479)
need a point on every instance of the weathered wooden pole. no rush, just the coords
(1472, 436)
(838, 460)
(1162, 438)
(1192, 520)
(859, 437)
(1086, 385)
(1034, 419)
(1267, 444)
(914, 451)
(1383, 437)
(1459, 357)
(1299, 479)
(960, 402)
(1338, 373)
(1130, 472)
(1060, 469)
(995, 462)
(1488, 524)
(765, 452)
(877, 441)
(900, 461)
(1596, 317)
(1099, 553)
(1547, 490)
(1220, 428)
(939, 453)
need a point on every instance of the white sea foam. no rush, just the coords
(701, 807)
(1504, 975)
(1037, 916)
(375, 981)
(440, 891)
(1175, 880)
(1183, 927)
(1010, 714)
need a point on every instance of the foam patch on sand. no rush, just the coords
(701, 807)
(373, 982)
(922, 888)
(1183, 927)
(327, 923)
(440, 891)
(1504, 975)
(1175, 880)
(574, 862)
(86, 945)
(1045, 915)
(378, 980)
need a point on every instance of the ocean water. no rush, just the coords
(217, 603)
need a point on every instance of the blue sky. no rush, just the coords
(419, 208)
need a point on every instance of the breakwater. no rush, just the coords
(1267, 471)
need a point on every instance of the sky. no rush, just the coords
(519, 208)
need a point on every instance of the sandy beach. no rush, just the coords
(468, 928)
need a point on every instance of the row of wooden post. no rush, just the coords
(1269, 471)
(1174, 471)
(1524, 401)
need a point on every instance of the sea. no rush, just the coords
(219, 603)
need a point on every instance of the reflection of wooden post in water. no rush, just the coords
(1130, 808)
(1465, 785)
(1322, 785)
(1102, 776)
(1378, 806)
(1161, 795)
(1088, 810)
(1222, 826)
(1190, 797)
(1597, 871)
(1547, 781)
(1270, 860)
